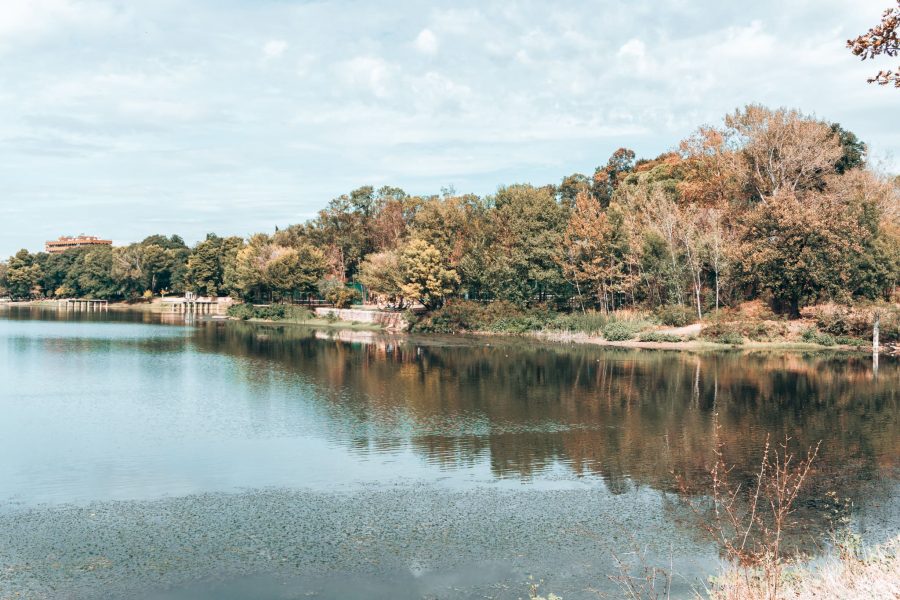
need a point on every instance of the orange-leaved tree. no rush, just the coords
(884, 38)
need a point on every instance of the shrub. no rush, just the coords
(676, 315)
(762, 331)
(809, 334)
(855, 321)
(826, 339)
(337, 293)
(723, 333)
(733, 338)
(655, 336)
(273, 312)
(850, 341)
(814, 336)
(453, 317)
(241, 311)
(620, 331)
(519, 324)
(468, 315)
(591, 322)
(833, 319)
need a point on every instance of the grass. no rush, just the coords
(655, 336)
(294, 315)
(872, 573)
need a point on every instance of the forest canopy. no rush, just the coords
(770, 204)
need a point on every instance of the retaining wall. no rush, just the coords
(393, 321)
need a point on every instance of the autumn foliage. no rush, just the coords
(881, 39)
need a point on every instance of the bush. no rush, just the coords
(468, 315)
(337, 293)
(520, 324)
(812, 335)
(733, 338)
(655, 336)
(850, 341)
(723, 333)
(589, 322)
(676, 315)
(453, 317)
(272, 312)
(854, 321)
(762, 332)
(620, 331)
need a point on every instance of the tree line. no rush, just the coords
(769, 204)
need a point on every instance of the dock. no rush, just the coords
(81, 304)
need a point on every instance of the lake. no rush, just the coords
(156, 458)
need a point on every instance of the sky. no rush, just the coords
(125, 119)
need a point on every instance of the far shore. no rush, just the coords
(558, 337)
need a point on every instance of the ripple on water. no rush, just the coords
(409, 541)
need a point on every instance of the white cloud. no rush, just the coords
(31, 20)
(370, 73)
(426, 42)
(118, 104)
(633, 48)
(274, 48)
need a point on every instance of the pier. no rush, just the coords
(191, 304)
(82, 304)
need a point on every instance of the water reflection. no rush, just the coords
(622, 415)
(520, 410)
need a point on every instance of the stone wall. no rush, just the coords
(393, 321)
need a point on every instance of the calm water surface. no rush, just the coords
(141, 458)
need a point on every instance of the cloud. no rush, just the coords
(369, 73)
(274, 49)
(29, 21)
(118, 106)
(426, 42)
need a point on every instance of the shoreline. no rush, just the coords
(552, 337)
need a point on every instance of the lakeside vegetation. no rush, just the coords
(772, 206)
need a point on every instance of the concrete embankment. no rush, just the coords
(392, 321)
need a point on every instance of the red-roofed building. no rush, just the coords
(67, 243)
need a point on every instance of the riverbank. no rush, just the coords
(862, 573)
(687, 338)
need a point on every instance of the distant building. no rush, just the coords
(67, 243)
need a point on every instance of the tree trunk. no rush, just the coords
(717, 290)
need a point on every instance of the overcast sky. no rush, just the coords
(123, 119)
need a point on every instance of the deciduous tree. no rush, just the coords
(881, 39)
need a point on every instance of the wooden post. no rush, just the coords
(875, 342)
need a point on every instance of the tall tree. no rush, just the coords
(521, 261)
(291, 271)
(607, 178)
(23, 276)
(209, 262)
(785, 151)
(424, 275)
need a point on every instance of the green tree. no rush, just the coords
(520, 260)
(23, 276)
(127, 270)
(381, 275)
(853, 150)
(209, 262)
(90, 275)
(607, 178)
(291, 271)
(424, 275)
(802, 251)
